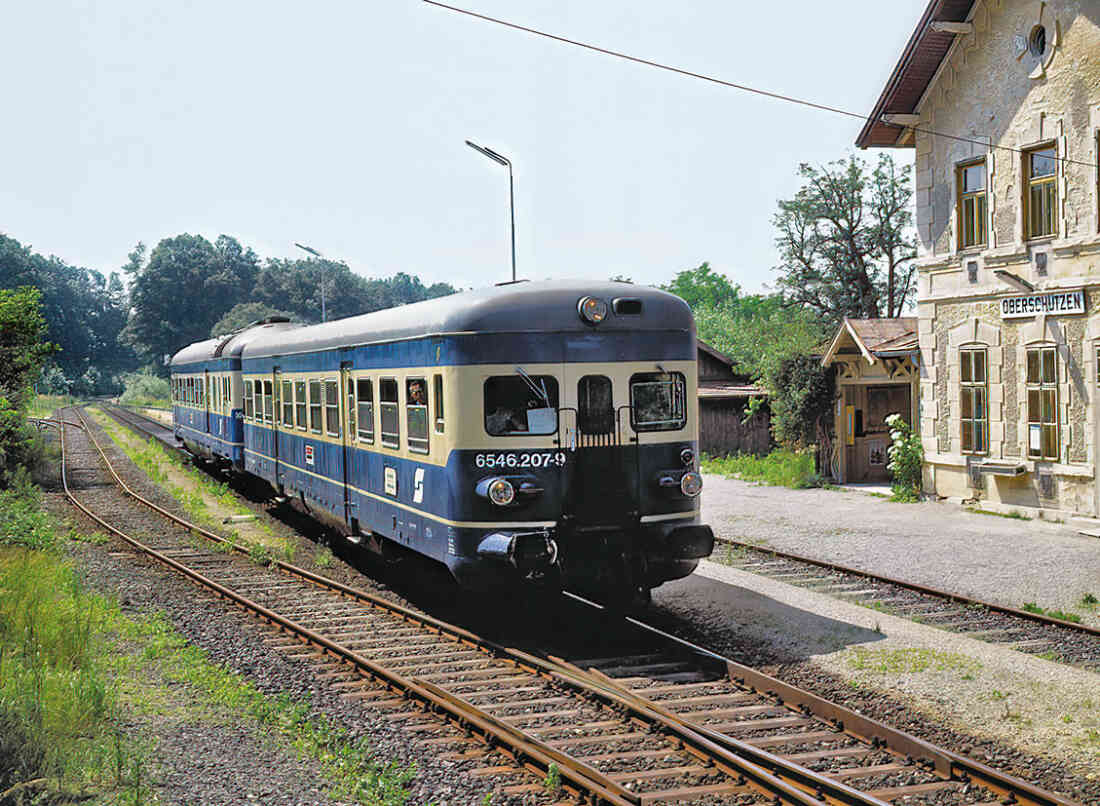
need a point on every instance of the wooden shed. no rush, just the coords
(723, 398)
(877, 364)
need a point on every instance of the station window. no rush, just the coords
(437, 393)
(1041, 193)
(521, 404)
(315, 406)
(595, 406)
(248, 404)
(974, 402)
(267, 401)
(1042, 403)
(387, 399)
(416, 413)
(332, 408)
(300, 404)
(657, 401)
(365, 404)
(288, 404)
(972, 204)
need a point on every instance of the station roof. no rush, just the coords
(874, 338)
(919, 63)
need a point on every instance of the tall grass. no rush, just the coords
(780, 468)
(45, 405)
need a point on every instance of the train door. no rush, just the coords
(347, 433)
(206, 400)
(278, 438)
(603, 483)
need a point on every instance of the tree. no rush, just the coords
(240, 316)
(23, 349)
(703, 287)
(846, 242)
(186, 285)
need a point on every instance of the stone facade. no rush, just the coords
(1006, 95)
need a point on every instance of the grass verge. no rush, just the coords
(74, 669)
(780, 468)
(1014, 515)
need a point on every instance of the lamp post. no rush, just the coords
(317, 254)
(502, 160)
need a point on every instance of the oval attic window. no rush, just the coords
(1037, 42)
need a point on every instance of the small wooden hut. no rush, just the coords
(723, 397)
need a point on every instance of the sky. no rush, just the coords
(341, 125)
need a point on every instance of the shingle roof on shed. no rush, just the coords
(875, 337)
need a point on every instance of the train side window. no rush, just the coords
(288, 404)
(267, 401)
(278, 405)
(657, 401)
(416, 411)
(227, 395)
(351, 410)
(391, 426)
(315, 406)
(521, 404)
(248, 400)
(300, 405)
(437, 393)
(215, 398)
(365, 402)
(595, 408)
(332, 408)
(258, 388)
(187, 391)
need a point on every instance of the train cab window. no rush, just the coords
(248, 400)
(267, 401)
(391, 427)
(365, 404)
(437, 395)
(332, 409)
(595, 408)
(416, 412)
(315, 406)
(521, 404)
(657, 401)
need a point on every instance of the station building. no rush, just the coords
(1000, 99)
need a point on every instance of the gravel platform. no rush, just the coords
(1000, 560)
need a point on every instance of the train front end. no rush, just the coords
(586, 471)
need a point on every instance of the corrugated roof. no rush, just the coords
(919, 62)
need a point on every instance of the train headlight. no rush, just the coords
(592, 310)
(501, 492)
(691, 484)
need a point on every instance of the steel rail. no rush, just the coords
(913, 586)
(781, 777)
(946, 762)
(778, 777)
(585, 780)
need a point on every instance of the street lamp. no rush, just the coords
(502, 160)
(317, 254)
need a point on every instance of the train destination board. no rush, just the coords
(1057, 303)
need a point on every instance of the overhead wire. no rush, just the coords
(734, 85)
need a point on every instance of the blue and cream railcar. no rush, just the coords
(540, 429)
(207, 392)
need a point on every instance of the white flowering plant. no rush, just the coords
(906, 455)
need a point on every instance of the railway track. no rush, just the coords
(1033, 633)
(665, 721)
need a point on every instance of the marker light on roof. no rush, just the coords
(592, 310)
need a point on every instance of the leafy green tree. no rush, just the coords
(240, 316)
(846, 240)
(84, 312)
(23, 349)
(702, 286)
(184, 287)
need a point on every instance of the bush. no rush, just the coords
(22, 522)
(780, 468)
(143, 389)
(906, 459)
